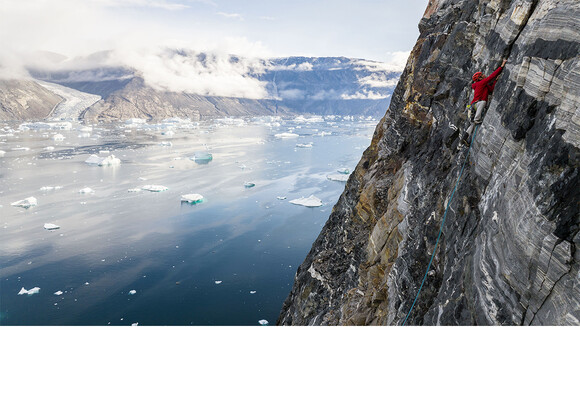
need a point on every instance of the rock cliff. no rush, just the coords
(509, 252)
(25, 100)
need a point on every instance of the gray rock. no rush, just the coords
(508, 253)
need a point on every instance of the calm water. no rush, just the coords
(229, 260)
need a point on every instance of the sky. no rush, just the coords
(368, 29)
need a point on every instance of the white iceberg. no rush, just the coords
(202, 157)
(252, 292)
(309, 145)
(263, 322)
(2, 153)
(281, 198)
(286, 135)
(21, 149)
(50, 188)
(310, 202)
(26, 202)
(249, 184)
(134, 190)
(29, 292)
(49, 148)
(192, 198)
(86, 190)
(51, 227)
(135, 324)
(337, 177)
(217, 282)
(343, 171)
(104, 152)
(58, 292)
(154, 188)
(96, 160)
(132, 292)
(166, 143)
(58, 137)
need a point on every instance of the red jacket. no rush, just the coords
(482, 88)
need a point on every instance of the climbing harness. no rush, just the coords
(442, 223)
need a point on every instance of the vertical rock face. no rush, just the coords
(25, 100)
(509, 252)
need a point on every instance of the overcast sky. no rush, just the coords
(369, 29)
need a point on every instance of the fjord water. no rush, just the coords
(122, 257)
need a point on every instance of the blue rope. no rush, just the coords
(442, 222)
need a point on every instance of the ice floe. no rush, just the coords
(310, 202)
(201, 157)
(100, 161)
(86, 190)
(263, 322)
(166, 143)
(134, 190)
(281, 198)
(29, 292)
(286, 135)
(51, 227)
(58, 137)
(217, 282)
(252, 292)
(337, 177)
(2, 153)
(154, 188)
(249, 184)
(58, 292)
(50, 188)
(26, 202)
(135, 324)
(309, 145)
(132, 292)
(343, 171)
(192, 198)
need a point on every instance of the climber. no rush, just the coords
(482, 87)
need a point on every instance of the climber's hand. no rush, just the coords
(503, 62)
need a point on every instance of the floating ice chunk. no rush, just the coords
(2, 153)
(166, 143)
(50, 188)
(337, 177)
(168, 133)
(51, 227)
(192, 198)
(281, 198)
(26, 202)
(96, 160)
(104, 152)
(49, 148)
(86, 190)
(252, 292)
(135, 324)
(217, 282)
(132, 292)
(29, 292)
(249, 184)
(263, 322)
(201, 157)
(142, 179)
(21, 149)
(110, 160)
(154, 188)
(85, 135)
(309, 145)
(58, 292)
(134, 190)
(286, 135)
(58, 137)
(343, 171)
(310, 202)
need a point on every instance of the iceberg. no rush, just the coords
(29, 292)
(49, 148)
(58, 292)
(281, 198)
(252, 292)
(337, 177)
(192, 198)
(50, 188)
(286, 135)
(26, 202)
(2, 153)
(309, 145)
(134, 190)
(96, 160)
(310, 202)
(263, 322)
(343, 171)
(135, 324)
(201, 157)
(217, 282)
(86, 190)
(51, 227)
(132, 292)
(154, 188)
(58, 137)
(249, 184)
(166, 143)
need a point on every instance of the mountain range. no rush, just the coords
(177, 83)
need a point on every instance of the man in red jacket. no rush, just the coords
(482, 87)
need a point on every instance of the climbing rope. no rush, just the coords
(442, 222)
